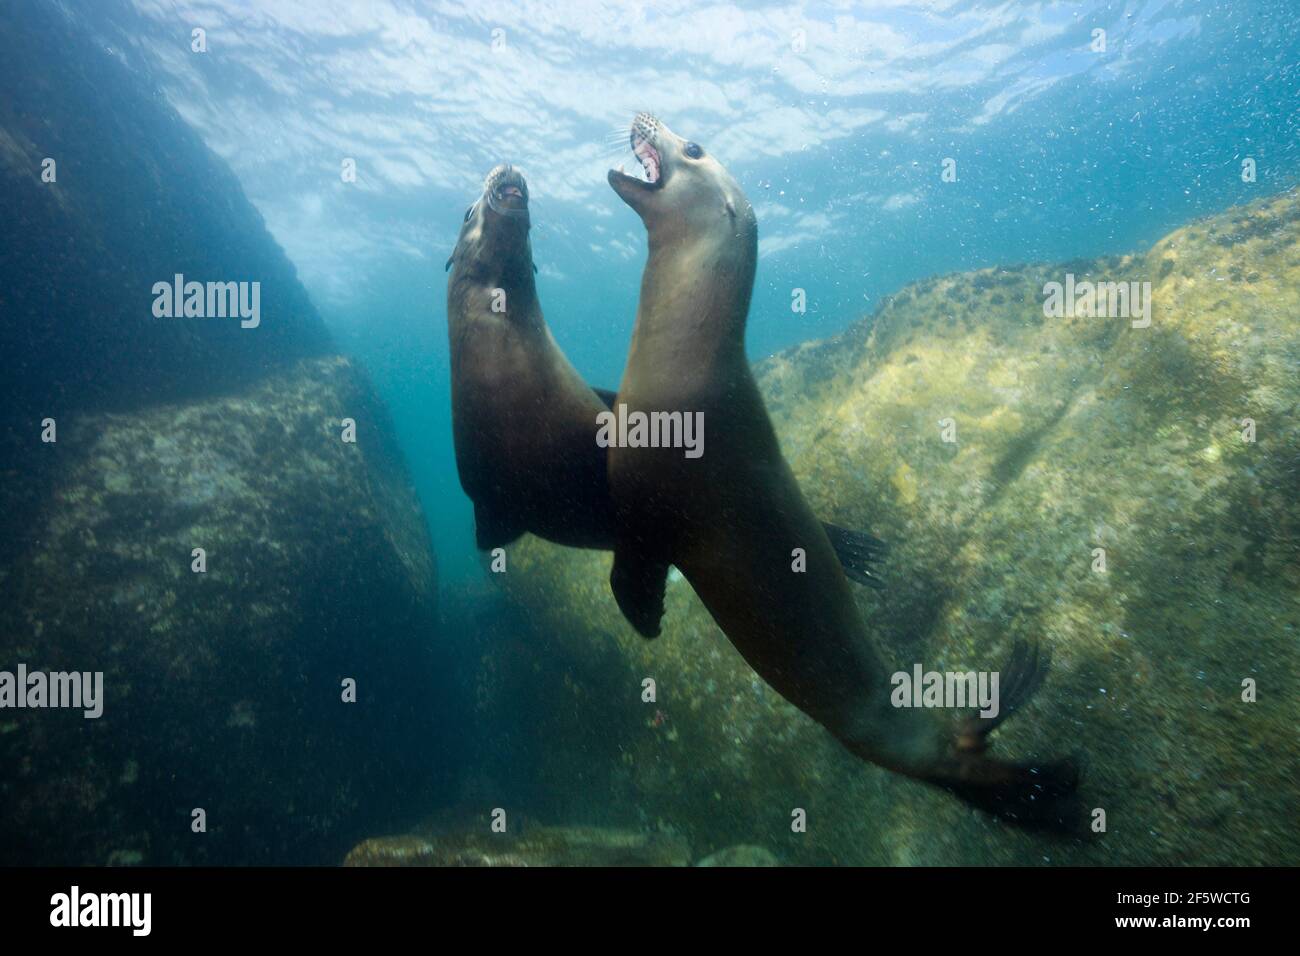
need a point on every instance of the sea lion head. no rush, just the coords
(493, 240)
(685, 188)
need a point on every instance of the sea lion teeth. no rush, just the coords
(649, 157)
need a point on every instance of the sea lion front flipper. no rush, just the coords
(606, 396)
(493, 529)
(638, 585)
(858, 553)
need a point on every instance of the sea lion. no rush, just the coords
(731, 519)
(524, 421)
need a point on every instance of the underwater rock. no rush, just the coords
(107, 192)
(223, 688)
(743, 855)
(133, 197)
(536, 846)
(1071, 435)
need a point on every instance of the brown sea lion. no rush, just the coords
(524, 422)
(731, 519)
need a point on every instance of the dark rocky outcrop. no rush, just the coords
(223, 689)
(138, 198)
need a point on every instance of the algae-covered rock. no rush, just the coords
(223, 688)
(536, 846)
(1125, 495)
(741, 856)
(107, 192)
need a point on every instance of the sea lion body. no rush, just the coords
(523, 420)
(732, 519)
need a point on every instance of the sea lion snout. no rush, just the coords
(648, 139)
(506, 190)
(645, 125)
(493, 241)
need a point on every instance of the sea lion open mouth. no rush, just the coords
(506, 191)
(642, 138)
(649, 157)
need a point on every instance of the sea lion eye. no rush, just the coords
(693, 150)
(469, 212)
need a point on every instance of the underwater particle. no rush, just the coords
(242, 715)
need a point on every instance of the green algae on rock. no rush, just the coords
(223, 688)
(1072, 435)
(741, 856)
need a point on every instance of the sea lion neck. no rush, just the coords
(695, 295)
(498, 280)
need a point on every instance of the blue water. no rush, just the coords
(1061, 151)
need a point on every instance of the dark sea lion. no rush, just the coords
(524, 421)
(731, 519)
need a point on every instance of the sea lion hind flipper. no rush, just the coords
(493, 529)
(1036, 796)
(859, 553)
(1019, 680)
(1033, 795)
(606, 396)
(638, 585)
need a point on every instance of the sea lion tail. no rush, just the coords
(1029, 794)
